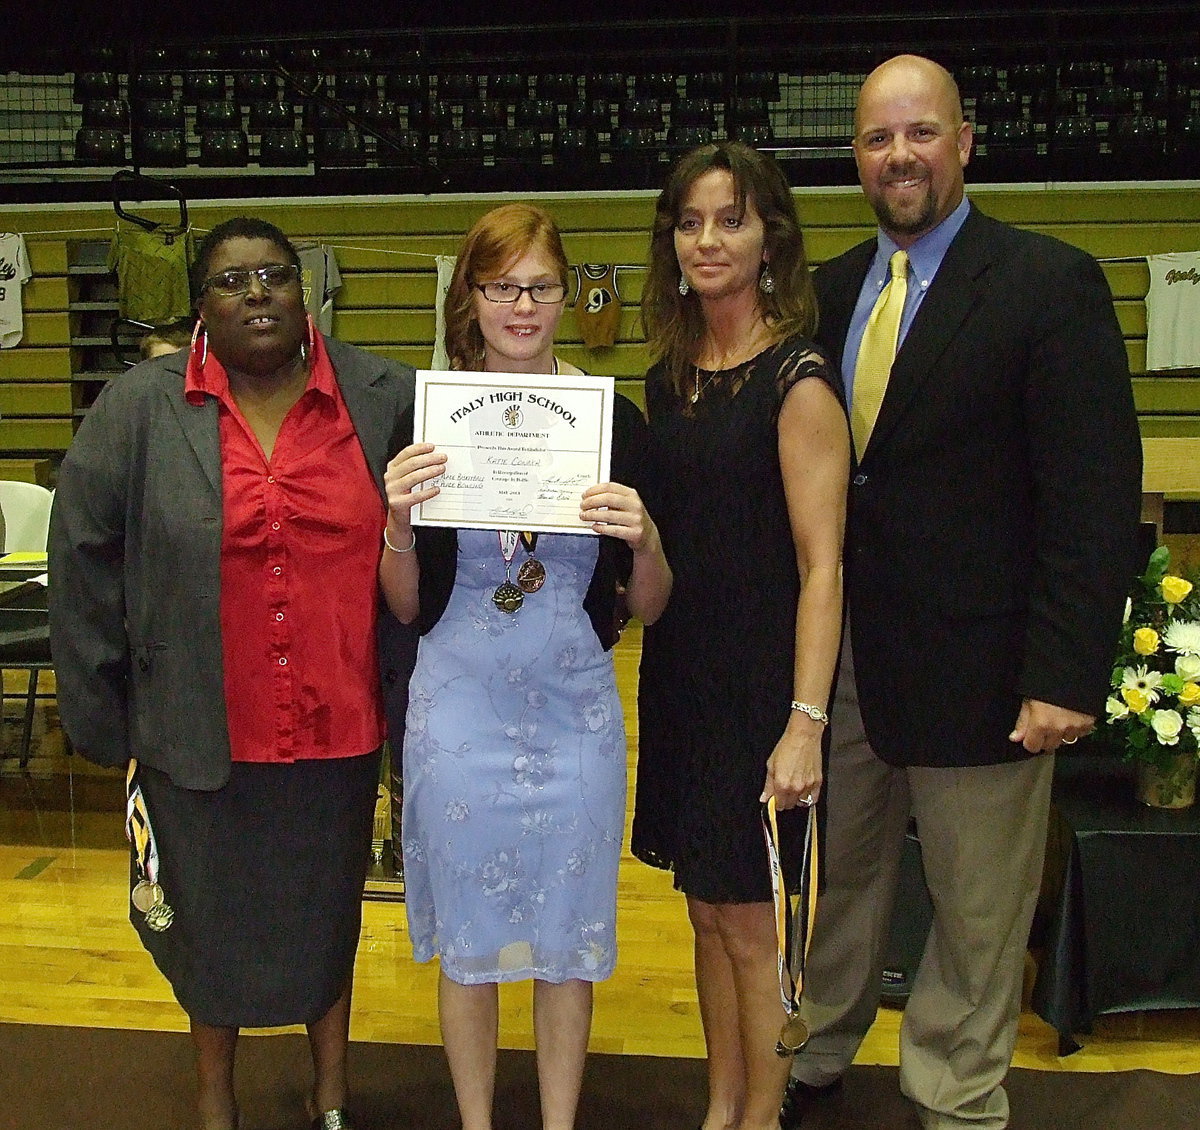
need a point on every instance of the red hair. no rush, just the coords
(498, 239)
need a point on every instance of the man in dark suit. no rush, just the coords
(990, 544)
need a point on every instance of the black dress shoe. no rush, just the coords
(799, 1099)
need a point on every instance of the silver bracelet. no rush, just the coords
(394, 549)
(814, 712)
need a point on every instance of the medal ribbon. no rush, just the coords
(508, 547)
(791, 983)
(508, 543)
(137, 826)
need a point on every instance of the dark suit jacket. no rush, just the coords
(135, 540)
(993, 517)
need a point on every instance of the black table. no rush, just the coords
(24, 642)
(1124, 925)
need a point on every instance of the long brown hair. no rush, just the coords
(497, 239)
(674, 323)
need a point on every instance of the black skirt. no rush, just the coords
(265, 877)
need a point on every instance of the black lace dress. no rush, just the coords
(716, 669)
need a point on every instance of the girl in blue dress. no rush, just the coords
(514, 754)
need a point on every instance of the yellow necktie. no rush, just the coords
(877, 352)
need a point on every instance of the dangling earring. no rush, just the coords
(766, 281)
(683, 287)
(195, 337)
(307, 347)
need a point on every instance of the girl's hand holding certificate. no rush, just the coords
(618, 511)
(418, 463)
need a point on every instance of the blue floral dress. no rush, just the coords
(514, 776)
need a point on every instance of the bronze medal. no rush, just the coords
(532, 575)
(146, 896)
(160, 917)
(792, 1037)
(507, 597)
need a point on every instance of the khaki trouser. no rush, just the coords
(983, 834)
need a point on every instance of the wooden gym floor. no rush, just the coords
(69, 956)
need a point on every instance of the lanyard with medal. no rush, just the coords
(794, 1034)
(530, 577)
(146, 895)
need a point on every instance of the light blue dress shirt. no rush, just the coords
(924, 258)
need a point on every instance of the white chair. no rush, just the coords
(26, 508)
(26, 645)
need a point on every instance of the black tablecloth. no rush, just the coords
(24, 625)
(1124, 930)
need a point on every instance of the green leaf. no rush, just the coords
(1157, 565)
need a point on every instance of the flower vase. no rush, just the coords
(1172, 787)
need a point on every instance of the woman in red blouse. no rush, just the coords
(215, 545)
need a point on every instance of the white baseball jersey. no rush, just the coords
(14, 274)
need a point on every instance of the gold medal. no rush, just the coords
(146, 896)
(792, 958)
(507, 597)
(792, 1036)
(532, 575)
(160, 917)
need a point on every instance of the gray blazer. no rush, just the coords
(135, 541)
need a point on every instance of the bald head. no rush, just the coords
(911, 145)
(908, 74)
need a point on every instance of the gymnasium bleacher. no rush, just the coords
(387, 143)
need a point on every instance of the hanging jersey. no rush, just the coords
(152, 272)
(597, 304)
(445, 273)
(321, 280)
(1173, 311)
(14, 274)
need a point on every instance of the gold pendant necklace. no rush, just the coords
(701, 387)
(746, 352)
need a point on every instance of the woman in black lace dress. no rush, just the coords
(736, 675)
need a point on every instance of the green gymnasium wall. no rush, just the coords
(385, 249)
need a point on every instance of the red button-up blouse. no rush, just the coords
(299, 568)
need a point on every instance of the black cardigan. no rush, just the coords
(437, 546)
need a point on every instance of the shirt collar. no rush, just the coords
(926, 254)
(206, 376)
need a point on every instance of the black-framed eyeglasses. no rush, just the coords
(544, 294)
(236, 281)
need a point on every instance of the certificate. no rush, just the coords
(521, 448)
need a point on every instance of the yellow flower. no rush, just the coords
(1175, 589)
(1137, 699)
(1145, 641)
(1190, 694)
